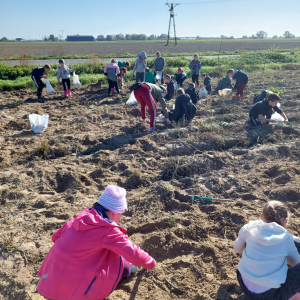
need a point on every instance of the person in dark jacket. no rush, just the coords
(193, 93)
(206, 82)
(36, 75)
(225, 82)
(262, 110)
(241, 82)
(159, 66)
(170, 87)
(183, 107)
(263, 95)
(180, 77)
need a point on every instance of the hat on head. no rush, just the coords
(157, 53)
(61, 61)
(114, 199)
(180, 70)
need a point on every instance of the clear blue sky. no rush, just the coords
(24, 18)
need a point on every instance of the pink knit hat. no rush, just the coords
(114, 199)
(180, 70)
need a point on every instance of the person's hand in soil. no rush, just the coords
(168, 121)
(45, 77)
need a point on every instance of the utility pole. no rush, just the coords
(172, 16)
(62, 35)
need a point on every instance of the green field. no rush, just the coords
(18, 76)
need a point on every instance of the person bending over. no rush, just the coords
(266, 248)
(63, 72)
(36, 75)
(91, 254)
(241, 82)
(262, 110)
(263, 95)
(170, 87)
(193, 93)
(183, 107)
(225, 82)
(146, 94)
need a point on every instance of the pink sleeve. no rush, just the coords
(105, 69)
(56, 235)
(117, 242)
(117, 70)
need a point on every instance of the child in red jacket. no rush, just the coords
(91, 254)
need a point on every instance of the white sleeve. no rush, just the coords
(293, 255)
(240, 242)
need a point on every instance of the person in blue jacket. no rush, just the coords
(36, 75)
(195, 67)
(241, 82)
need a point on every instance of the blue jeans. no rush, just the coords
(140, 77)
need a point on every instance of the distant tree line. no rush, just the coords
(142, 37)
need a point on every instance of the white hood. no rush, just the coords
(267, 234)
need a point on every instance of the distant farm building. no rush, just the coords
(19, 39)
(80, 38)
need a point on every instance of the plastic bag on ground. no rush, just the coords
(225, 94)
(203, 92)
(76, 81)
(277, 117)
(161, 118)
(38, 123)
(49, 86)
(132, 100)
(158, 75)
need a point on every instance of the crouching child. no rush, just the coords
(193, 93)
(170, 87)
(262, 111)
(180, 77)
(91, 253)
(149, 76)
(266, 247)
(206, 82)
(36, 75)
(184, 107)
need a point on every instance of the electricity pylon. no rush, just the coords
(172, 16)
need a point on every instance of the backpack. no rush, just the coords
(111, 74)
(135, 86)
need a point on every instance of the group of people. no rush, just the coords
(91, 254)
(148, 92)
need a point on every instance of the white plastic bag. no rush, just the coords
(158, 75)
(161, 118)
(203, 92)
(38, 123)
(49, 86)
(225, 94)
(175, 85)
(76, 81)
(132, 100)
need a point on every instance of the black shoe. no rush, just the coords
(108, 95)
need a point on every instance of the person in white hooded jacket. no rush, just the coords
(266, 248)
(140, 67)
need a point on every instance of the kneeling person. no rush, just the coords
(91, 254)
(170, 87)
(183, 107)
(262, 110)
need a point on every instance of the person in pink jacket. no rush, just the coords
(112, 72)
(91, 254)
